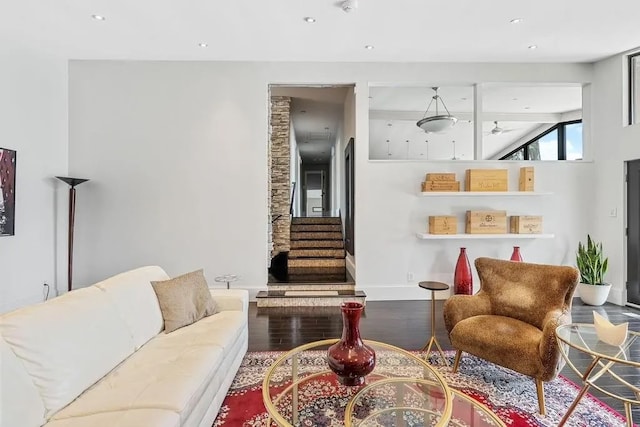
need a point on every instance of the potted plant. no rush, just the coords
(593, 266)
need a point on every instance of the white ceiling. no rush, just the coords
(402, 30)
(316, 114)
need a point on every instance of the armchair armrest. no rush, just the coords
(549, 349)
(231, 299)
(459, 307)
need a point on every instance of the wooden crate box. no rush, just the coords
(441, 186)
(526, 181)
(486, 222)
(443, 225)
(487, 180)
(440, 177)
(525, 224)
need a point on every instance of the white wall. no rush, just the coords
(33, 121)
(614, 144)
(177, 153)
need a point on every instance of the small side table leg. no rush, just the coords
(433, 339)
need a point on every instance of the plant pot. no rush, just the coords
(594, 294)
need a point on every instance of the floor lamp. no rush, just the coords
(72, 212)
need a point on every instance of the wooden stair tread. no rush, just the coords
(316, 235)
(316, 253)
(300, 244)
(316, 220)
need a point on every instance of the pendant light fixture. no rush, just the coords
(439, 122)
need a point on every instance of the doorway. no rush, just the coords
(633, 232)
(314, 193)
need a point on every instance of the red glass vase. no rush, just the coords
(515, 256)
(350, 359)
(462, 279)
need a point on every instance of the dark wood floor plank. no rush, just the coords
(405, 324)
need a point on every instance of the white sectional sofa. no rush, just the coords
(97, 357)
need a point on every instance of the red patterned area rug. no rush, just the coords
(508, 394)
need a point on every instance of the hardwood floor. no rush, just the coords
(405, 324)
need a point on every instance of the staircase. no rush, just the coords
(317, 274)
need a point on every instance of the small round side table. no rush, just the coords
(227, 278)
(433, 287)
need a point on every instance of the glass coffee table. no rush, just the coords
(606, 367)
(299, 389)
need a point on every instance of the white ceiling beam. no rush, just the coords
(501, 117)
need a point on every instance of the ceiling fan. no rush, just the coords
(497, 130)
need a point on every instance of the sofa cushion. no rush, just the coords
(68, 343)
(126, 418)
(184, 300)
(221, 329)
(505, 341)
(20, 401)
(168, 376)
(133, 296)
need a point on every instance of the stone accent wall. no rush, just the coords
(279, 179)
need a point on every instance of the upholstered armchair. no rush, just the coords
(512, 320)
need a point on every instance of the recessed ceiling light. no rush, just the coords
(368, 47)
(203, 45)
(516, 20)
(309, 19)
(98, 17)
(533, 46)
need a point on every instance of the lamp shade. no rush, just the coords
(436, 124)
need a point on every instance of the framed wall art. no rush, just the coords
(7, 191)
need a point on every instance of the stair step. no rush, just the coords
(317, 262)
(299, 244)
(316, 235)
(316, 220)
(316, 253)
(301, 286)
(319, 271)
(308, 298)
(295, 228)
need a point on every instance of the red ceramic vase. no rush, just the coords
(515, 256)
(462, 279)
(350, 359)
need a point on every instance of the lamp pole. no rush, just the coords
(72, 182)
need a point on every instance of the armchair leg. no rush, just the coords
(456, 362)
(540, 390)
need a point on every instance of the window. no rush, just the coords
(634, 88)
(561, 142)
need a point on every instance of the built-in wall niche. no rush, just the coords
(517, 114)
(394, 112)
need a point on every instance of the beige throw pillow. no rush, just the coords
(184, 300)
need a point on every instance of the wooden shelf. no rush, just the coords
(427, 236)
(482, 193)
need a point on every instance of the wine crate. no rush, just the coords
(487, 180)
(526, 181)
(440, 177)
(441, 186)
(443, 225)
(486, 222)
(525, 224)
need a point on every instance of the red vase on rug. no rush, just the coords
(515, 256)
(350, 359)
(462, 279)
